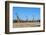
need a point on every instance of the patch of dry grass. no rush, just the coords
(26, 24)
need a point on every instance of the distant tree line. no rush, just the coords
(26, 21)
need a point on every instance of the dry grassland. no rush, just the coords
(26, 24)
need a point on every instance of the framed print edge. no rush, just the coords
(7, 17)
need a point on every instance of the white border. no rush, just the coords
(11, 29)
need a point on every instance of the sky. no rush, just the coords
(26, 13)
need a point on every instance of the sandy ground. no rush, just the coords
(26, 24)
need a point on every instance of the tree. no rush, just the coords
(17, 17)
(26, 18)
(32, 16)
